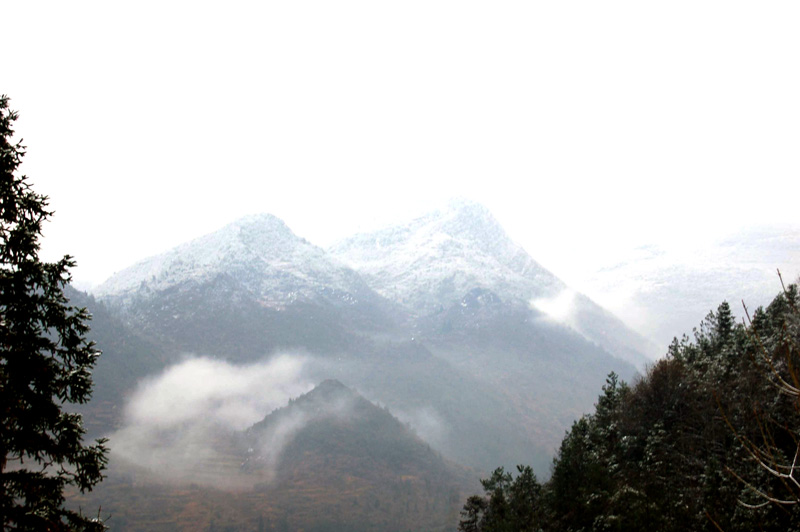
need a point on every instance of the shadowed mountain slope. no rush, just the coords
(329, 460)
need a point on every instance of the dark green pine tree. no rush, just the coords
(509, 505)
(45, 365)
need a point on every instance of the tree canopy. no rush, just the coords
(708, 439)
(45, 365)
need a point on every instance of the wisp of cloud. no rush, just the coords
(177, 425)
(559, 308)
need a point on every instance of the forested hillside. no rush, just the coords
(706, 440)
(328, 461)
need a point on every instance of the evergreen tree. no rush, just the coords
(45, 365)
(708, 439)
(510, 504)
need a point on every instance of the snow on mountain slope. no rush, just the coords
(265, 256)
(431, 262)
(434, 260)
(425, 266)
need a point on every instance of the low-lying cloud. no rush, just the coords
(560, 307)
(269, 442)
(427, 423)
(177, 425)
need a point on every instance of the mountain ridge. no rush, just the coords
(432, 261)
(272, 262)
(422, 267)
(463, 240)
(328, 460)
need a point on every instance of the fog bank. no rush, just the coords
(178, 425)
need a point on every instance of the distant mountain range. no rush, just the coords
(422, 267)
(441, 319)
(665, 292)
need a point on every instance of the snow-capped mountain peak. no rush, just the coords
(435, 259)
(260, 251)
(432, 262)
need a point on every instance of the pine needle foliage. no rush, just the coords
(707, 440)
(45, 365)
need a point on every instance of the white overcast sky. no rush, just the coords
(587, 127)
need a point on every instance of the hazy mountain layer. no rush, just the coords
(524, 356)
(663, 291)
